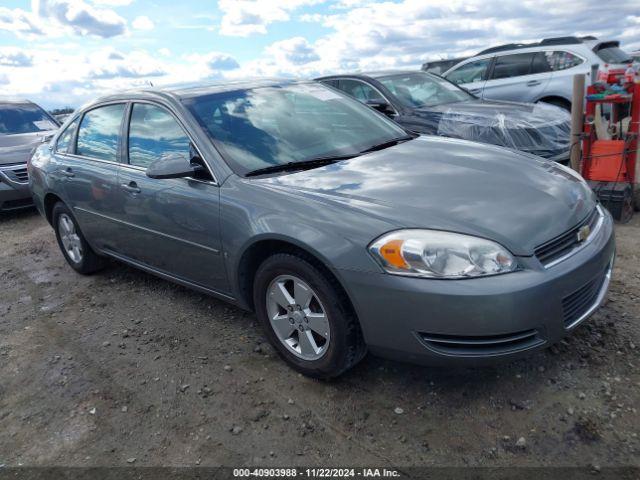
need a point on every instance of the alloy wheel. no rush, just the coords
(298, 317)
(70, 238)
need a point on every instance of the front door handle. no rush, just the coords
(476, 91)
(533, 83)
(131, 187)
(68, 172)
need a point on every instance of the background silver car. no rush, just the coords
(338, 228)
(23, 126)
(540, 72)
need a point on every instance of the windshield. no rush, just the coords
(613, 54)
(423, 90)
(269, 126)
(18, 118)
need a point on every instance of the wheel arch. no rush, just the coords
(50, 199)
(556, 98)
(262, 248)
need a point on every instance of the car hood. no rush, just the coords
(18, 148)
(477, 110)
(540, 129)
(432, 182)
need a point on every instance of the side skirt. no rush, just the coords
(169, 277)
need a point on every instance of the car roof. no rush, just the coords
(374, 74)
(546, 42)
(15, 101)
(181, 91)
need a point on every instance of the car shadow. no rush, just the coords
(17, 215)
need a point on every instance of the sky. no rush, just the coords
(66, 52)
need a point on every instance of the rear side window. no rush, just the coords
(516, 65)
(561, 60)
(359, 90)
(99, 132)
(470, 72)
(154, 134)
(64, 140)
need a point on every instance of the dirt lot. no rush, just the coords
(122, 368)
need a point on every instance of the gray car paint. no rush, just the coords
(16, 150)
(334, 213)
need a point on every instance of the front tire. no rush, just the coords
(306, 316)
(77, 252)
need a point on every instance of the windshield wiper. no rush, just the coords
(302, 165)
(390, 143)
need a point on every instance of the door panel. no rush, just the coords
(89, 169)
(517, 77)
(171, 225)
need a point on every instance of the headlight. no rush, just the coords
(436, 254)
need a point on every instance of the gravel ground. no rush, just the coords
(122, 368)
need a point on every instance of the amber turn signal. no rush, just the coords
(391, 252)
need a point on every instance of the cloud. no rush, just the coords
(15, 57)
(296, 51)
(20, 22)
(138, 64)
(242, 18)
(113, 3)
(142, 23)
(4, 79)
(81, 17)
(222, 61)
(212, 62)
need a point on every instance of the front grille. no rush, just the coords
(16, 173)
(481, 345)
(565, 243)
(576, 305)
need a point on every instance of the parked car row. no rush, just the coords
(538, 72)
(425, 103)
(344, 231)
(420, 102)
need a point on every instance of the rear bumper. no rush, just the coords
(476, 321)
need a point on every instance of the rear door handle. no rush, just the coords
(533, 83)
(68, 172)
(476, 91)
(131, 187)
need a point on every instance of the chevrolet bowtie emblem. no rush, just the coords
(583, 233)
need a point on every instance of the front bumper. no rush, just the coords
(476, 321)
(14, 194)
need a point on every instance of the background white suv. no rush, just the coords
(540, 71)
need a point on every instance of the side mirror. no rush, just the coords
(381, 106)
(173, 166)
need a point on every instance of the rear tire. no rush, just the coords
(77, 252)
(336, 346)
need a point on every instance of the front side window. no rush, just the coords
(270, 126)
(64, 140)
(154, 134)
(508, 66)
(99, 132)
(360, 90)
(470, 72)
(421, 89)
(17, 118)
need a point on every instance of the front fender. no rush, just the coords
(336, 236)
